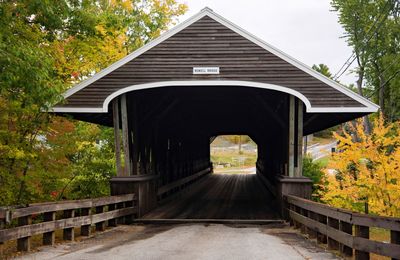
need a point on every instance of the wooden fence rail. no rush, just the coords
(344, 230)
(65, 215)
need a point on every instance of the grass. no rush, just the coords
(323, 161)
(234, 159)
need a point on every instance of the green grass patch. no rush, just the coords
(323, 161)
(233, 159)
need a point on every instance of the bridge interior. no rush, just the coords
(172, 127)
(170, 130)
(221, 196)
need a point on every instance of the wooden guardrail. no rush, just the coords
(65, 215)
(344, 230)
(182, 182)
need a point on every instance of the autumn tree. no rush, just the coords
(45, 48)
(366, 170)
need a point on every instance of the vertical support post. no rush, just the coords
(100, 226)
(85, 229)
(49, 238)
(24, 243)
(395, 239)
(125, 135)
(299, 171)
(347, 228)
(69, 233)
(291, 136)
(361, 231)
(117, 138)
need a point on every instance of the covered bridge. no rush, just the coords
(207, 77)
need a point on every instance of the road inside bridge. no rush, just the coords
(221, 196)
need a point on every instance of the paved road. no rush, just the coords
(320, 151)
(221, 196)
(191, 242)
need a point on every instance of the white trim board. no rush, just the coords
(240, 31)
(205, 83)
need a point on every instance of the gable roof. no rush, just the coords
(365, 106)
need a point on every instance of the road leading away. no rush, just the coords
(188, 241)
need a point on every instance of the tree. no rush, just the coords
(372, 30)
(366, 170)
(45, 48)
(314, 171)
(323, 69)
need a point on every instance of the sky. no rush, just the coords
(305, 29)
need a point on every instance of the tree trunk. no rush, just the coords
(360, 91)
(382, 94)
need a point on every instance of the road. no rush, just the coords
(320, 151)
(195, 241)
(218, 196)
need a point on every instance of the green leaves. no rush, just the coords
(373, 31)
(45, 47)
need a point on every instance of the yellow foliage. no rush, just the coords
(366, 170)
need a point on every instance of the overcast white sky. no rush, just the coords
(305, 29)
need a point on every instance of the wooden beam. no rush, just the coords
(299, 171)
(125, 136)
(291, 136)
(117, 138)
(270, 111)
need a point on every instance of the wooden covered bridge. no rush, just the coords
(206, 77)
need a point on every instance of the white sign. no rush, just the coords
(205, 70)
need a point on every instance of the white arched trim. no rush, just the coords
(227, 83)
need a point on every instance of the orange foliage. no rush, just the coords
(366, 169)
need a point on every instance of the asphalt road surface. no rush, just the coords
(190, 241)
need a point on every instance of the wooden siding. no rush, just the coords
(209, 43)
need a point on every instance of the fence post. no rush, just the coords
(361, 231)
(2, 226)
(321, 238)
(49, 237)
(304, 228)
(333, 244)
(85, 229)
(311, 233)
(395, 239)
(128, 218)
(291, 208)
(24, 243)
(120, 220)
(346, 228)
(112, 222)
(69, 233)
(297, 224)
(100, 226)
